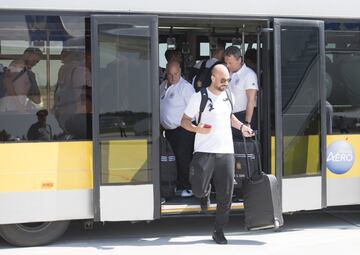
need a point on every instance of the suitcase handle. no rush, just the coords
(257, 155)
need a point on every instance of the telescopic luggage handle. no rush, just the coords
(257, 156)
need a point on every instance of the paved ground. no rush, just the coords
(304, 233)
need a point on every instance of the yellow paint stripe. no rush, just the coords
(45, 166)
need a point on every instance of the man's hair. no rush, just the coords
(233, 51)
(33, 50)
(170, 53)
(251, 54)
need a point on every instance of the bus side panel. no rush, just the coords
(343, 170)
(45, 181)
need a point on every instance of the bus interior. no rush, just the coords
(196, 39)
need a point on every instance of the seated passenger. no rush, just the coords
(21, 91)
(40, 130)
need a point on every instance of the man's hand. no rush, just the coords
(203, 129)
(247, 131)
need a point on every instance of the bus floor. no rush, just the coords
(191, 205)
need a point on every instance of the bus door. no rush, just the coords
(300, 127)
(126, 117)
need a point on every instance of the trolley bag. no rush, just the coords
(240, 161)
(168, 171)
(262, 205)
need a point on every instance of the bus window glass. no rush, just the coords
(43, 65)
(125, 107)
(300, 63)
(343, 78)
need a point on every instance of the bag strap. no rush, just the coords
(228, 94)
(204, 99)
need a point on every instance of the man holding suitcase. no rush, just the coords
(213, 148)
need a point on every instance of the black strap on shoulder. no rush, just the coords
(203, 66)
(204, 99)
(228, 95)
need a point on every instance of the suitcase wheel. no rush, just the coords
(276, 225)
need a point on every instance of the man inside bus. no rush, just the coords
(171, 55)
(40, 130)
(244, 86)
(175, 93)
(250, 59)
(22, 93)
(214, 149)
(217, 55)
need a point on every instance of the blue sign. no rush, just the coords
(340, 157)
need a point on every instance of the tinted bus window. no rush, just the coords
(45, 85)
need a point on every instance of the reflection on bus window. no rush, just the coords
(342, 79)
(44, 66)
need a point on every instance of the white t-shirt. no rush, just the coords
(245, 78)
(173, 101)
(219, 140)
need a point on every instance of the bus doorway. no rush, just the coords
(196, 41)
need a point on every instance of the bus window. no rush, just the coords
(342, 79)
(41, 57)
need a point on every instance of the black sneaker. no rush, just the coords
(218, 237)
(205, 203)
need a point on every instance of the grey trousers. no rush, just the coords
(203, 167)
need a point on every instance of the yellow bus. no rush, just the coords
(92, 152)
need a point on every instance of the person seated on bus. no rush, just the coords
(40, 130)
(20, 89)
(175, 93)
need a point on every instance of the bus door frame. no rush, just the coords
(293, 202)
(143, 210)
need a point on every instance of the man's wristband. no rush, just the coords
(241, 126)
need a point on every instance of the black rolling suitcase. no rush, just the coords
(261, 193)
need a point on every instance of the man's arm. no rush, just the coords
(186, 123)
(235, 123)
(251, 101)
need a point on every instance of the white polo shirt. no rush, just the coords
(245, 78)
(173, 101)
(219, 140)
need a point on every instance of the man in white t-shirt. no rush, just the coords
(213, 148)
(244, 86)
(175, 93)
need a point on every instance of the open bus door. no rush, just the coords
(300, 128)
(126, 119)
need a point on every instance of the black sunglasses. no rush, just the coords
(223, 80)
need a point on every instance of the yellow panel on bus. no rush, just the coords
(308, 146)
(43, 166)
(124, 161)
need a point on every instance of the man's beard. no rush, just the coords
(221, 88)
